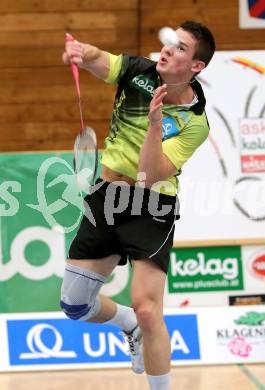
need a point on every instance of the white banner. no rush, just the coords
(222, 187)
(44, 341)
(232, 335)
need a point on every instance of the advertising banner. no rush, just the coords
(205, 269)
(252, 137)
(209, 276)
(47, 341)
(40, 209)
(50, 341)
(233, 335)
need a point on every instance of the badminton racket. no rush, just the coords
(85, 160)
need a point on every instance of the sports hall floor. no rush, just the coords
(230, 377)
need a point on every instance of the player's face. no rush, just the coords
(178, 62)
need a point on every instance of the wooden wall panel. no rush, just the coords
(69, 20)
(22, 6)
(222, 17)
(38, 104)
(56, 135)
(53, 39)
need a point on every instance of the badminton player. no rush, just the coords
(158, 122)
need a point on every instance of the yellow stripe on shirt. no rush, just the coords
(115, 65)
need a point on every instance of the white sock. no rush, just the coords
(159, 382)
(124, 318)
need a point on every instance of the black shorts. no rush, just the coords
(126, 220)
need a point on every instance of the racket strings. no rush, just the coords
(86, 158)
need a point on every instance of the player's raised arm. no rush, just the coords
(87, 57)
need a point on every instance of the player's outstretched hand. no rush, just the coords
(73, 53)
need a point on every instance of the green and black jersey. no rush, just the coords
(184, 127)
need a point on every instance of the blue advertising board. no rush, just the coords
(57, 341)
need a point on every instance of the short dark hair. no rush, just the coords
(206, 44)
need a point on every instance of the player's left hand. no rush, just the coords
(155, 110)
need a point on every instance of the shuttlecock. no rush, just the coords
(168, 36)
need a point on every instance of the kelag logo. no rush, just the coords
(62, 341)
(205, 269)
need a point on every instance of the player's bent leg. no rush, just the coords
(147, 288)
(103, 266)
(80, 299)
(82, 282)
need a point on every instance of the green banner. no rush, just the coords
(205, 269)
(40, 210)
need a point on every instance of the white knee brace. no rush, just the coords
(79, 292)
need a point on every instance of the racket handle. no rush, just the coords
(74, 67)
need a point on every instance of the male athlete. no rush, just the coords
(158, 122)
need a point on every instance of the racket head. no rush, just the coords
(86, 159)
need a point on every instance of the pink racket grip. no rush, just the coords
(74, 67)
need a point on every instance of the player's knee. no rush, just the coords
(79, 294)
(82, 311)
(148, 315)
(145, 317)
